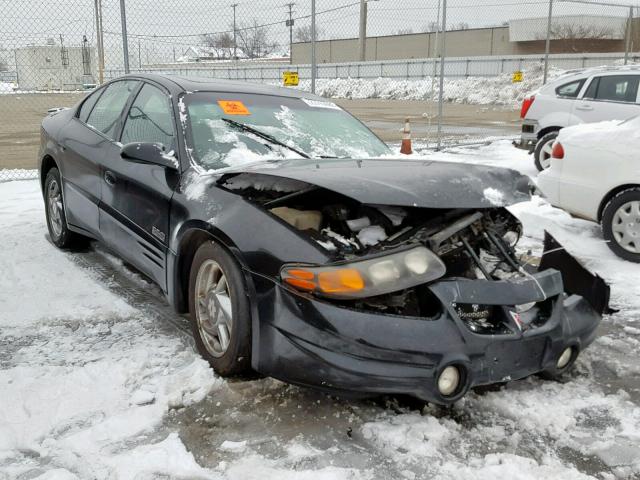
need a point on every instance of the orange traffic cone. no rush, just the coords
(405, 148)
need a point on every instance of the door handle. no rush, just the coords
(110, 178)
(584, 107)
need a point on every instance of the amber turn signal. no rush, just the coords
(344, 280)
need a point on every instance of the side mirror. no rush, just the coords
(149, 153)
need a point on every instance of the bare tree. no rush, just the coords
(254, 41)
(303, 33)
(431, 27)
(572, 31)
(459, 26)
(436, 27)
(577, 37)
(220, 44)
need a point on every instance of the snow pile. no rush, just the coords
(6, 87)
(498, 90)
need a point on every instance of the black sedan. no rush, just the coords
(302, 250)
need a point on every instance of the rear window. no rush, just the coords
(614, 88)
(570, 90)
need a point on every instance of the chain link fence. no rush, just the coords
(458, 68)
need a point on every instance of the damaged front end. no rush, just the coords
(418, 299)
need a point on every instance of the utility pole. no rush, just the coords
(442, 56)
(99, 40)
(125, 42)
(235, 44)
(313, 46)
(139, 56)
(627, 43)
(547, 44)
(290, 25)
(362, 42)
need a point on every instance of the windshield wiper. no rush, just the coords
(265, 136)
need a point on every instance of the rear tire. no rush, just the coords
(621, 224)
(59, 232)
(542, 152)
(220, 310)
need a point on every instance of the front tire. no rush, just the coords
(542, 152)
(59, 232)
(621, 224)
(220, 310)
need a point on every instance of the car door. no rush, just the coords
(136, 197)
(609, 97)
(82, 147)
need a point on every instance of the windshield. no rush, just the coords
(278, 127)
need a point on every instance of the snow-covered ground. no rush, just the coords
(94, 384)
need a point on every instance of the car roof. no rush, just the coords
(578, 74)
(178, 84)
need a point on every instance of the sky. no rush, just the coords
(157, 28)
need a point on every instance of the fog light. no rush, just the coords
(565, 358)
(448, 381)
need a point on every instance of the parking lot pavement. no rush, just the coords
(98, 379)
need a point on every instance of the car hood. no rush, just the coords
(399, 182)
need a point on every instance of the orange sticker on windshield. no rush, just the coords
(233, 107)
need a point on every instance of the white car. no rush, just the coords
(595, 174)
(585, 96)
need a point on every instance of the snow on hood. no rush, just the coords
(404, 183)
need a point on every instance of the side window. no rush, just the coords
(105, 115)
(150, 119)
(592, 88)
(570, 90)
(614, 88)
(88, 104)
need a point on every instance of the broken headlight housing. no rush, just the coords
(369, 277)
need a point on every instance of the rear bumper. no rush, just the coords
(528, 137)
(305, 341)
(549, 184)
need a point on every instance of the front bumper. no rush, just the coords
(306, 341)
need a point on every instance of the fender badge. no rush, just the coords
(157, 233)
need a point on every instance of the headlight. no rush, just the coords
(367, 278)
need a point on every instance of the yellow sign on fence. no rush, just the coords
(290, 79)
(516, 77)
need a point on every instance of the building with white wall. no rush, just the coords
(55, 67)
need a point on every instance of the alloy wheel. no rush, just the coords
(214, 310)
(54, 206)
(545, 154)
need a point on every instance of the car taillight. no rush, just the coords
(526, 105)
(557, 151)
